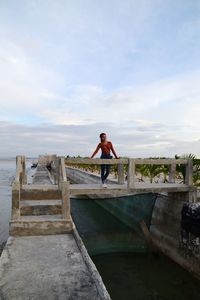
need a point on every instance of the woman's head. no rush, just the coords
(103, 137)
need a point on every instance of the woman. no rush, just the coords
(106, 147)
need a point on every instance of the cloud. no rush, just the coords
(173, 101)
(82, 140)
(71, 69)
(26, 87)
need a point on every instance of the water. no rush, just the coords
(102, 232)
(145, 277)
(128, 270)
(7, 175)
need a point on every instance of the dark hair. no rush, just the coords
(102, 134)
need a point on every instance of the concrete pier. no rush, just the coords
(44, 257)
(46, 267)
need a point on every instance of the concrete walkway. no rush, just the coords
(47, 268)
(47, 265)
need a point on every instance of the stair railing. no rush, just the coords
(20, 179)
(63, 185)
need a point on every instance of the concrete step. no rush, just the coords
(40, 225)
(41, 218)
(40, 192)
(40, 207)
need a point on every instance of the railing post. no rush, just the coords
(19, 170)
(56, 170)
(192, 196)
(66, 200)
(63, 172)
(172, 173)
(16, 200)
(131, 173)
(24, 177)
(59, 174)
(189, 172)
(120, 172)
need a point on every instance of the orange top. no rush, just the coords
(105, 147)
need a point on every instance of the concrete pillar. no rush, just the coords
(55, 169)
(63, 172)
(66, 212)
(24, 176)
(131, 173)
(59, 174)
(192, 195)
(189, 172)
(15, 200)
(172, 173)
(18, 176)
(120, 171)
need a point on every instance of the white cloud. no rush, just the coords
(173, 101)
(25, 86)
(82, 140)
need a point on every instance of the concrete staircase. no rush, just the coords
(40, 208)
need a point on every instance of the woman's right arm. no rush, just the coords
(95, 152)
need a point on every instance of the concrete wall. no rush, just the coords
(45, 159)
(80, 176)
(166, 216)
(165, 230)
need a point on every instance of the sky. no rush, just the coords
(71, 69)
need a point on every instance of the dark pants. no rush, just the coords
(105, 169)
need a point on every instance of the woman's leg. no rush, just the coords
(107, 168)
(103, 168)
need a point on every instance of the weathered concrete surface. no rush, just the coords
(80, 176)
(40, 192)
(41, 175)
(45, 216)
(89, 185)
(40, 207)
(47, 264)
(86, 189)
(40, 225)
(165, 230)
(46, 267)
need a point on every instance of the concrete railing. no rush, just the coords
(98, 161)
(63, 185)
(172, 170)
(20, 179)
(132, 163)
(21, 170)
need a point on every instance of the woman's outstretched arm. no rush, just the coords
(113, 151)
(95, 152)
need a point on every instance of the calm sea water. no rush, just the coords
(7, 173)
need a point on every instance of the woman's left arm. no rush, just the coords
(113, 150)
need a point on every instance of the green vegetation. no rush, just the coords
(181, 169)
